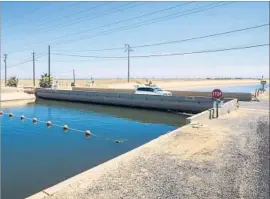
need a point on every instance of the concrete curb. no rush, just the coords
(211, 113)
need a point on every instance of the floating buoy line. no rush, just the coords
(65, 127)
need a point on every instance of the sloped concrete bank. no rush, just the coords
(94, 174)
(223, 158)
(16, 99)
(212, 113)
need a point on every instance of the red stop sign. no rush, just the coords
(216, 94)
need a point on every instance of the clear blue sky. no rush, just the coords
(28, 26)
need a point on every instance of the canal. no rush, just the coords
(237, 89)
(35, 157)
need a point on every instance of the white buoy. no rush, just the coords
(35, 120)
(49, 123)
(10, 115)
(87, 133)
(65, 127)
(1, 112)
(22, 117)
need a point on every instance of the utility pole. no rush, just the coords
(49, 63)
(128, 50)
(34, 72)
(74, 77)
(5, 60)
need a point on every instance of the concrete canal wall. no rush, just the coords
(212, 112)
(16, 98)
(196, 162)
(239, 96)
(177, 103)
(174, 102)
(233, 95)
(11, 89)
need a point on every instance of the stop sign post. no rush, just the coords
(217, 95)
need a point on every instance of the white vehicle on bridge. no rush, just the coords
(149, 90)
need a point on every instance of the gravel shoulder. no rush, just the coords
(223, 158)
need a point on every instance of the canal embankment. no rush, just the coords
(227, 157)
(57, 191)
(16, 98)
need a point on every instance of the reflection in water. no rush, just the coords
(142, 115)
(35, 157)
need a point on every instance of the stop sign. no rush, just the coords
(216, 94)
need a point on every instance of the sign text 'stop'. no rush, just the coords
(217, 94)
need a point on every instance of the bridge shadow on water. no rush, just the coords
(35, 157)
(141, 115)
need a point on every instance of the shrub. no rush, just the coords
(45, 81)
(13, 81)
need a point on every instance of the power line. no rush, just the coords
(167, 17)
(170, 54)
(45, 20)
(101, 57)
(147, 45)
(201, 37)
(201, 52)
(118, 22)
(176, 41)
(93, 50)
(97, 16)
(87, 60)
(30, 12)
(30, 59)
(81, 19)
(21, 63)
(41, 55)
(171, 16)
(65, 16)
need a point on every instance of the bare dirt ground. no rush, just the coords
(172, 84)
(223, 158)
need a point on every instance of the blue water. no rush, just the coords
(241, 89)
(35, 157)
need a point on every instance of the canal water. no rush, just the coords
(241, 89)
(35, 157)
